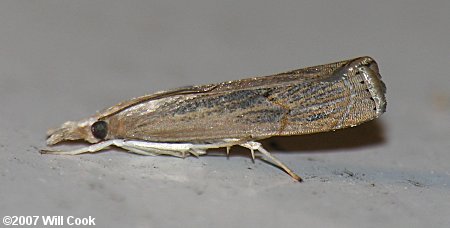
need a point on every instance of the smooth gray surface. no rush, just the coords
(63, 60)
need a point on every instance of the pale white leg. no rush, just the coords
(89, 149)
(174, 149)
(252, 146)
(257, 146)
(139, 147)
(197, 152)
(155, 152)
(139, 151)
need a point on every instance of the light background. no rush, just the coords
(63, 60)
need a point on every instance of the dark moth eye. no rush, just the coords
(99, 129)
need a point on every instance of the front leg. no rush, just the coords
(138, 147)
(89, 149)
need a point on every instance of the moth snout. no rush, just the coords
(72, 130)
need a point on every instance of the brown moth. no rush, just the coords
(191, 120)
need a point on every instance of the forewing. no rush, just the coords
(302, 101)
(199, 117)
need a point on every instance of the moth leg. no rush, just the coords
(154, 152)
(89, 149)
(257, 146)
(197, 152)
(152, 148)
(252, 151)
(139, 151)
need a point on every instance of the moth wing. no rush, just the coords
(199, 117)
(299, 75)
(158, 95)
(297, 102)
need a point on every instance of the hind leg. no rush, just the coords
(257, 146)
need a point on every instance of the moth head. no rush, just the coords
(91, 130)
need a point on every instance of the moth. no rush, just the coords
(191, 120)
